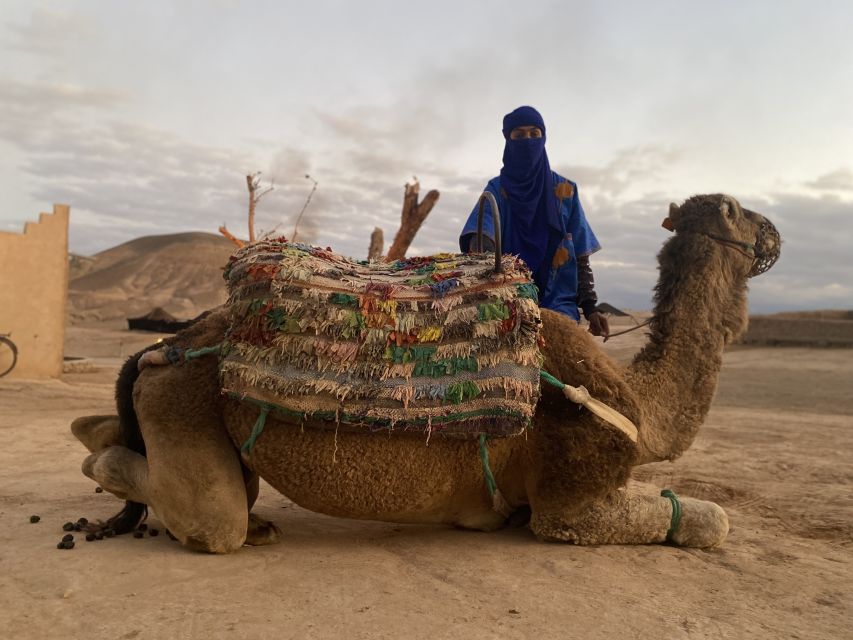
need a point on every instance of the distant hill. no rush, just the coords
(182, 273)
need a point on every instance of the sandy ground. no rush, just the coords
(775, 453)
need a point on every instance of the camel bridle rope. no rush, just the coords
(761, 260)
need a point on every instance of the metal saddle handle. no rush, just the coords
(496, 225)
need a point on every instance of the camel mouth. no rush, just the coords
(767, 247)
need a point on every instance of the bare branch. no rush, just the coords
(411, 219)
(377, 244)
(224, 231)
(304, 207)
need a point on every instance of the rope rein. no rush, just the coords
(639, 326)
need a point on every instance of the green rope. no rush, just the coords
(676, 512)
(491, 485)
(192, 354)
(257, 428)
(547, 377)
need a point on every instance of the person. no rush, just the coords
(542, 221)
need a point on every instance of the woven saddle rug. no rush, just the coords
(436, 344)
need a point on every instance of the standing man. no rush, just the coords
(542, 221)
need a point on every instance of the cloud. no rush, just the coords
(838, 180)
(47, 32)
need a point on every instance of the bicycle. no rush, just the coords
(8, 354)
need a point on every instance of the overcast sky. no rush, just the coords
(145, 118)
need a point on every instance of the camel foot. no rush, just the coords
(120, 471)
(262, 532)
(703, 524)
(632, 517)
(97, 432)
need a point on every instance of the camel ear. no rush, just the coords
(729, 208)
(668, 222)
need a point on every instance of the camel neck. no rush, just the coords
(700, 306)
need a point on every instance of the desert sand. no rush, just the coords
(774, 453)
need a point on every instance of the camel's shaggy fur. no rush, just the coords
(570, 471)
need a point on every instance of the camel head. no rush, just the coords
(721, 218)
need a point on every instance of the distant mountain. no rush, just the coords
(182, 273)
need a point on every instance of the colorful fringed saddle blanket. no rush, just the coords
(438, 344)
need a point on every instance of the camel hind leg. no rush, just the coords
(124, 473)
(97, 432)
(195, 482)
(635, 516)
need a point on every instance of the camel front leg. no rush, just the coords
(634, 516)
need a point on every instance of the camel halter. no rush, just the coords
(761, 260)
(767, 235)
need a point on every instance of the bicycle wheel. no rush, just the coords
(8, 355)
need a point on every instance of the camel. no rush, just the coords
(175, 445)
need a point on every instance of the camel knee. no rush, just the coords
(97, 432)
(120, 471)
(208, 532)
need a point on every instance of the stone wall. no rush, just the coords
(799, 332)
(34, 292)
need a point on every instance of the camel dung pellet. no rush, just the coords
(34, 519)
(90, 537)
(68, 526)
(78, 526)
(99, 489)
(142, 527)
(67, 537)
(109, 532)
(138, 534)
(60, 545)
(99, 535)
(82, 521)
(69, 544)
(153, 533)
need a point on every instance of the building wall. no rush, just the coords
(34, 292)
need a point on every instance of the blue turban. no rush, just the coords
(529, 185)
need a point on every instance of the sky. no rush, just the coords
(146, 118)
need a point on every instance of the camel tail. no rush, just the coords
(133, 513)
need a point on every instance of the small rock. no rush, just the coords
(67, 537)
(68, 526)
(34, 519)
(514, 612)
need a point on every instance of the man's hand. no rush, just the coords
(598, 325)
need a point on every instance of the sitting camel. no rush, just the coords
(176, 443)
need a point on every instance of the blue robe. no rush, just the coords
(568, 238)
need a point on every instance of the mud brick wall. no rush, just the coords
(34, 292)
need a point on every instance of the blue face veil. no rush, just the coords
(529, 185)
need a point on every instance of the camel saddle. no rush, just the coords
(444, 344)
